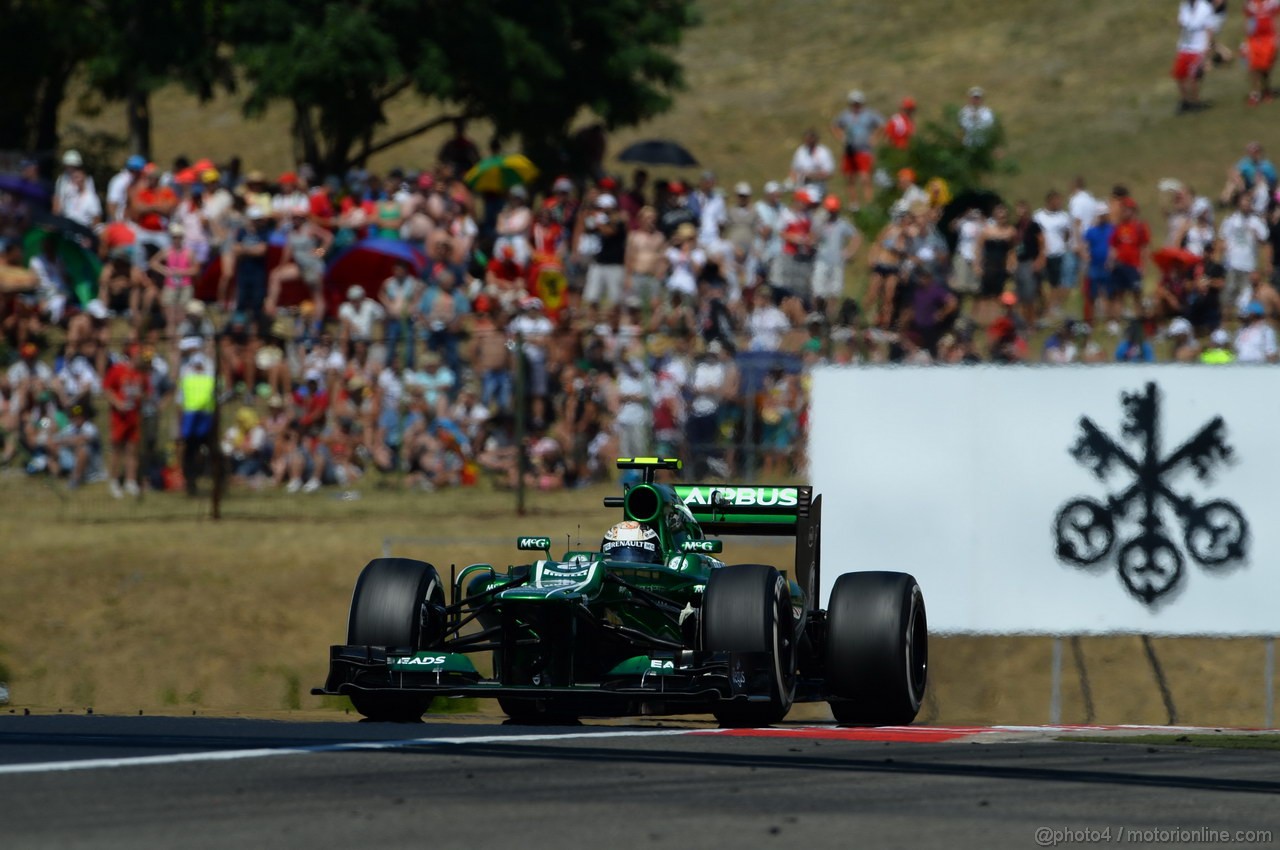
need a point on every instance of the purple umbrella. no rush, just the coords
(23, 188)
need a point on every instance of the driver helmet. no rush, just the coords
(631, 542)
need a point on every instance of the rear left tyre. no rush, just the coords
(394, 605)
(746, 611)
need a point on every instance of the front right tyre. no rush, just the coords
(393, 606)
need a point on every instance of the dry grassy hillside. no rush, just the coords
(1082, 86)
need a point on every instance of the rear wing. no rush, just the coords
(773, 511)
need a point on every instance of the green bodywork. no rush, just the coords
(581, 622)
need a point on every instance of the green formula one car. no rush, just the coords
(651, 622)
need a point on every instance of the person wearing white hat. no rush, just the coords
(976, 119)
(858, 129)
(531, 329)
(1219, 351)
(515, 222)
(768, 242)
(707, 203)
(740, 228)
(177, 266)
(1185, 347)
(606, 272)
(74, 195)
(248, 263)
(359, 317)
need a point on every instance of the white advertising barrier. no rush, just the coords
(1057, 500)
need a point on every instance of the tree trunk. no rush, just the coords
(51, 96)
(138, 115)
(305, 146)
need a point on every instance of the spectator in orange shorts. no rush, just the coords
(859, 128)
(1261, 46)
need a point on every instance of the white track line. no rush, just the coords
(350, 746)
(976, 734)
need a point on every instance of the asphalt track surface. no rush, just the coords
(149, 782)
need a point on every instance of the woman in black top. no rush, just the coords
(993, 262)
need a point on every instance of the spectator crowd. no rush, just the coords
(592, 318)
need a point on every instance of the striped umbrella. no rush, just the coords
(497, 174)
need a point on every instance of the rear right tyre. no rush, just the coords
(877, 656)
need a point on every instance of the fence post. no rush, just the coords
(218, 477)
(520, 403)
(1055, 683)
(1269, 680)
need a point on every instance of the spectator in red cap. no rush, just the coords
(489, 356)
(150, 206)
(635, 198)
(902, 125)
(912, 195)
(292, 196)
(675, 210)
(126, 386)
(837, 241)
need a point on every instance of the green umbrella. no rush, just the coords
(81, 265)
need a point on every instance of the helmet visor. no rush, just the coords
(633, 553)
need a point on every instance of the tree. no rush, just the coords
(141, 46)
(43, 45)
(126, 49)
(532, 68)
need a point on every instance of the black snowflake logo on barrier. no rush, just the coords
(1213, 533)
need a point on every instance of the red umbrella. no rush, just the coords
(1167, 259)
(368, 263)
(292, 293)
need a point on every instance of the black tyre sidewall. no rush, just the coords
(386, 605)
(386, 611)
(747, 608)
(867, 664)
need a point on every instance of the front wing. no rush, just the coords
(655, 681)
